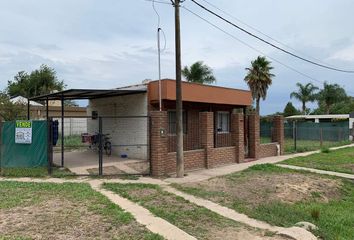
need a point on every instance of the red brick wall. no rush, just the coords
(224, 155)
(254, 136)
(158, 142)
(278, 132)
(191, 138)
(192, 160)
(268, 150)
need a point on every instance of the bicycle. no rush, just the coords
(107, 145)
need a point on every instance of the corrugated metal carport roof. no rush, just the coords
(73, 94)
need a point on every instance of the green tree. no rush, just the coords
(290, 110)
(259, 78)
(41, 81)
(10, 111)
(199, 72)
(331, 94)
(305, 93)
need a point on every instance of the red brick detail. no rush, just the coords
(206, 123)
(158, 142)
(254, 135)
(191, 138)
(268, 150)
(222, 156)
(193, 160)
(278, 132)
(237, 129)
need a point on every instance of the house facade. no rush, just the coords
(216, 129)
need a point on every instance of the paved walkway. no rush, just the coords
(144, 216)
(205, 174)
(293, 232)
(338, 174)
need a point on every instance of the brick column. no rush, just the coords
(158, 142)
(237, 129)
(278, 132)
(206, 135)
(254, 136)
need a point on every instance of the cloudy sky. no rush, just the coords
(112, 43)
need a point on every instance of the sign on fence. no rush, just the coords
(23, 132)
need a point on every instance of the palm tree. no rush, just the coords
(331, 94)
(199, 72)
(259, 78)
(305, 93)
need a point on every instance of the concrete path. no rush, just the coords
(293, 232)
(143, 216)
(205, 174)
(338, 174)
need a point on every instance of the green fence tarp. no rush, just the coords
(24, 155)
(330, 131)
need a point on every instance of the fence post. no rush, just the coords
(1, 168)
(321, 137)
(294, 135)
(100, 152)
(50, 146)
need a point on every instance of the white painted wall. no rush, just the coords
(128, 135)
(73, 126)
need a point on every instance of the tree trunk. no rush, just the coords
(257, 105)
(304, 108)
(327, 109)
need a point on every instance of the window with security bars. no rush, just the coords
(223, 122)
(172, 122)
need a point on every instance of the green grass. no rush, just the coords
(341, 160)
(306, 145)
(197, 221)
(71, 142)
(20, 195)
(335, 218)
(36, 172)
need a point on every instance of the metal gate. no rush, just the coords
(102, 145)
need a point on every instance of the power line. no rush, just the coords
(269, 43)
(262, 33)
(253, 48)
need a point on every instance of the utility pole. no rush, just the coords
(179, 105)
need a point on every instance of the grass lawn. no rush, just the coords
(284, 197)
(63, 211)
(197, 221)
(306, 145)
(341, 160)
(36, 172)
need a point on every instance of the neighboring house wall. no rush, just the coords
(128, 135)
(73, 126)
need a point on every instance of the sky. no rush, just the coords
(112, 43)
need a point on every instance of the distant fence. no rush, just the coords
(306, 136)
(73, 126)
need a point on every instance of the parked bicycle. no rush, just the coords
(94, 142)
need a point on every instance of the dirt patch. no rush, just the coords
(61, 219)
(140, 167)
(349, 166)
(199, 223)
(267, 188)
(109, 170)
(242, 234)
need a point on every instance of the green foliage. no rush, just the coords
(290, 110)
(259, 78)
(305, 93)
(10, 111)
(38, 82)
(199, 72)
(330, 95)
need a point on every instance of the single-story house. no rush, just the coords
(216, 128)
